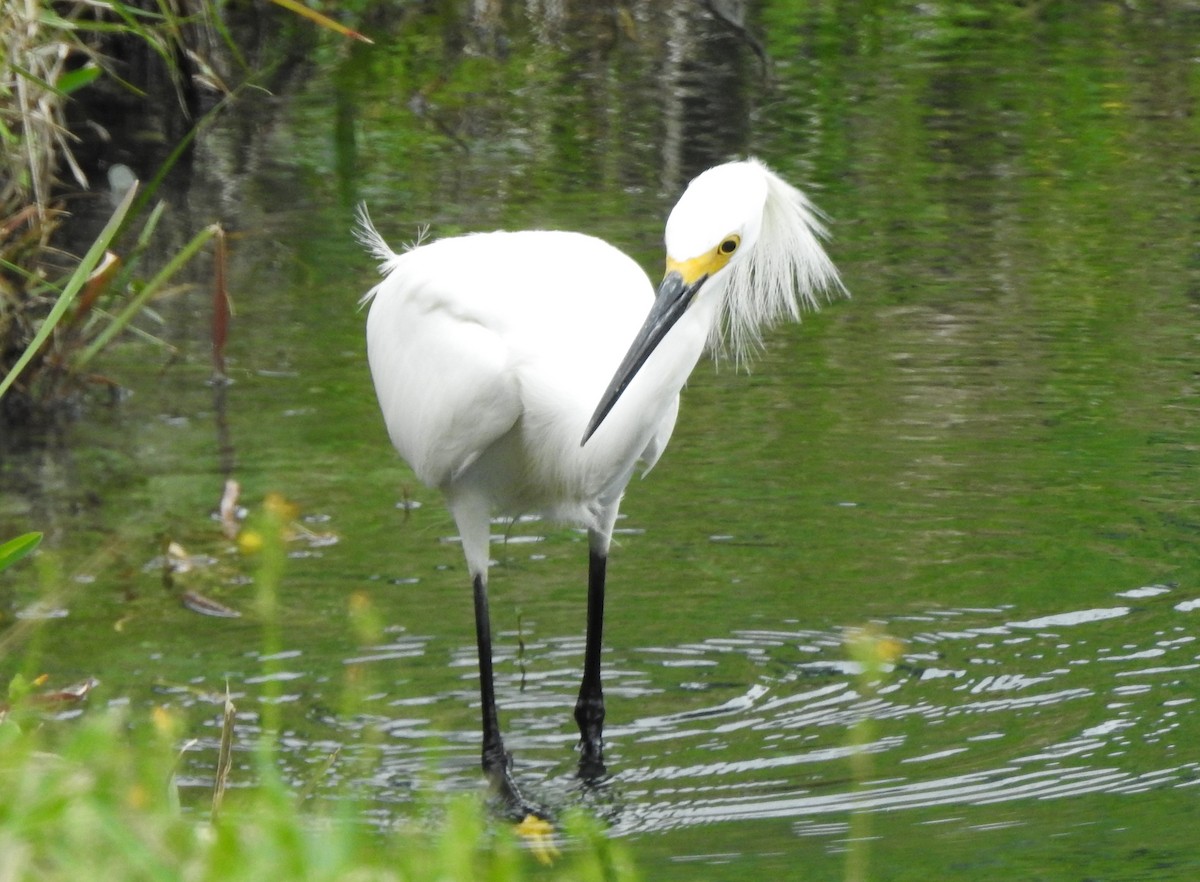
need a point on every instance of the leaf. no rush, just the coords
(15, 549)
(228, 509)
(74, 80)
(323, 20)
(78, 278)
(139, 300)
(69, 695)
(222, 309)
(206, 606)
(97, 284)
(224, 755)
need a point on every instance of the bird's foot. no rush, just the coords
(589, 715)
(591, 759)
(497, 767)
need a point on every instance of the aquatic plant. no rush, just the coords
(58, 311)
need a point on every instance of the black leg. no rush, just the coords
(497, 762)
(589, 709)
(495, 758)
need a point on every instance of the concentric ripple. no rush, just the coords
(984, 706)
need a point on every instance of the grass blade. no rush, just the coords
(134, 306)
(222, 308)
(224, 755)
(322, 20)
(15, 549)
(78, 278)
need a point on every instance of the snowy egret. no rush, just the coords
(519, 372)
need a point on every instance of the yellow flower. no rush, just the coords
(250, 542)
(278, 506)
(538, 834)
(872, 648)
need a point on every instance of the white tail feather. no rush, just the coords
(370, 239)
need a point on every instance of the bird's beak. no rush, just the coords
(674, 295)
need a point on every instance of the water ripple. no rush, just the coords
(984, 713)
(755, 723)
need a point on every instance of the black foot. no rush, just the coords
(591, 762)
(589, 715)
(591, 751)
(497, 767)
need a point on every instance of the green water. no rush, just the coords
(990, 450)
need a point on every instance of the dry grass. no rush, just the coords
(43, 62)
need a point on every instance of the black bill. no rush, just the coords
(670, 303)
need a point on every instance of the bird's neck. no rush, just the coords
(683, 345)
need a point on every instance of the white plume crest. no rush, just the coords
(781, 276)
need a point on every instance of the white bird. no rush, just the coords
(531, 372)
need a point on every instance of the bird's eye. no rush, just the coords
(729, 245)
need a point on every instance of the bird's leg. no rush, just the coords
(589, 708)
(497, 762)
(495, 757)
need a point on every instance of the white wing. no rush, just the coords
(469, 336)
(442, 381)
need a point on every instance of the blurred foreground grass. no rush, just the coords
(94, 798)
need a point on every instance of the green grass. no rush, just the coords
(94, 798)
(55, 319)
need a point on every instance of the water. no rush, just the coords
(989, 452)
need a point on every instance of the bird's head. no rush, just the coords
(746, 242)
(716, 223)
